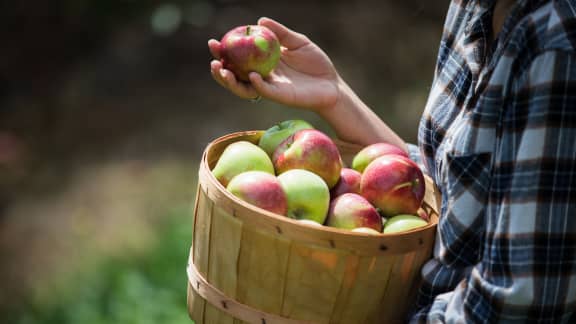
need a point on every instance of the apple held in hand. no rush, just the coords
(250, 48)
(274, 135)
(312, 150)
(307, 194)
(373, 151)
(240, 157)
(349, 182)
(350, 210)
(403, 223)
(394, 184)
(260, 189)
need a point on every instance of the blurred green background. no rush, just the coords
(105, 109)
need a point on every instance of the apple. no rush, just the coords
(260, 189)
(307, 194)
(349, 182)
(373, 151)
(312, 150)
(274, 135)
(403, 223)
(394, 184)
(350, 210)
(309, 222)
(366, 230)
(240, 157)
(250, 48)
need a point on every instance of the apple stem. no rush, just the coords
(247, 30)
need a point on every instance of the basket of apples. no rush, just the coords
(293, 226)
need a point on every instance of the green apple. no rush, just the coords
(307, 194)
(403, 223)
(240, 157)
(274, 135)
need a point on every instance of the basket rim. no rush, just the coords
(247, 212)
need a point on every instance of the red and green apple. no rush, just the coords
(250, 48)
(260, 189)
(312, 150)
(394, 184)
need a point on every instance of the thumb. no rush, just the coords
(287, 37)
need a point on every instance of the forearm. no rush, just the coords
(353, 121)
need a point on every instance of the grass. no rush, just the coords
(148, 288)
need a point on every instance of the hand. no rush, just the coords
(304, 78)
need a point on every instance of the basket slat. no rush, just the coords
(225, 241)
(311, 267)
(363, 291)
(201, 247)
(262, 268)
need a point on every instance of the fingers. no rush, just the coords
(227, 80)
(214, 47)
(287, 37)
(264, 88)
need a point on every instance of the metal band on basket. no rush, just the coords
(228, 305)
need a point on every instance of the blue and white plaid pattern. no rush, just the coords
(498, 136)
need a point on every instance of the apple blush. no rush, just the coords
(250, 48)
(311, 150)
(350, 210)
(260, 189)
(394, 184)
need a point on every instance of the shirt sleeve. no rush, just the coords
(414, 154)
(527, 262)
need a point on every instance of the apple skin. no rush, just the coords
(307, 194)
(312, 150)
(403, 223)
(366, 230)
(394, 184)
(373, 151)
(260, 189)
(349, 182)
(274, 135)
(350, 210)
(240, 157)
(250, 48)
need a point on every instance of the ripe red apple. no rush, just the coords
(250, 48)
(311, 150)
(394, 184)
(373, 151)
(349, 182)
(260, 189)
(350, 210)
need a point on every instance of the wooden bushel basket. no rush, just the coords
(248, 265)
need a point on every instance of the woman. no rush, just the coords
(498, 136)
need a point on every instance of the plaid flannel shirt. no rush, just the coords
(498, 136)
